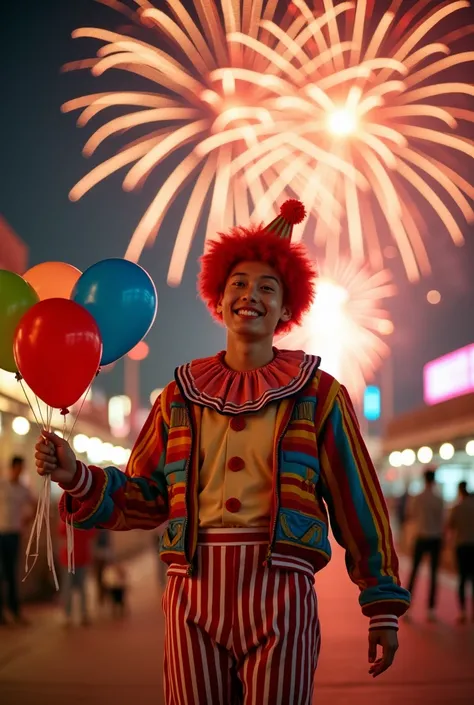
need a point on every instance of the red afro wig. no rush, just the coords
(257, 244)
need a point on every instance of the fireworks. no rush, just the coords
(196, 110)
(346, 323)
(373, 95)
(357, 114)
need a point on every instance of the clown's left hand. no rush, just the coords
(388, 640)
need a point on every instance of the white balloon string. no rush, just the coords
(71, 560)
(79, 410)
(49, 540)
(40, 426)
(43, 506)
(43, 514)
(37, 524)
(45, 425)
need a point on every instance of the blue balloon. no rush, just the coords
(123, 300)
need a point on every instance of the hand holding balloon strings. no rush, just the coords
(57, 348)
(57, 327)
(55, 461)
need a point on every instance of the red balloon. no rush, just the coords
(57, 349)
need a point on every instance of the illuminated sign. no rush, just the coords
(372, 403)
(449, 376)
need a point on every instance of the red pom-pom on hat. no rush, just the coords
(293, 211)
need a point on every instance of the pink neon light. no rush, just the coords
(449, 376)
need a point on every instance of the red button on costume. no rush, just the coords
(235, 464)
(237, 423)
(233, 505)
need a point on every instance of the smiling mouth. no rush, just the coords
(247, 313)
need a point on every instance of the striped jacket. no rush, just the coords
(320, 461)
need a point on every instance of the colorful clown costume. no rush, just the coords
(247, 467)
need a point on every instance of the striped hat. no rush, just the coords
(292, 212)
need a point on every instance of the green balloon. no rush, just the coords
(16, 297)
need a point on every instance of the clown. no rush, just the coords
(245, 454)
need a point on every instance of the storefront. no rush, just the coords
(440, 434)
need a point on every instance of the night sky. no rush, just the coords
(41, 159)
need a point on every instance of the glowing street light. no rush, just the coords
(80, 443)
(139, 352)
(425, 454)
(433, 297)
(20, 426)
(408, 457)
(395, 459)
(446, 451)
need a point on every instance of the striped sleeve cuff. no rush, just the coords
(383, 621)
(81, 482)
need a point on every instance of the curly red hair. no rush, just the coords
(255, 244)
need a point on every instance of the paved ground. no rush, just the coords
(120, 661)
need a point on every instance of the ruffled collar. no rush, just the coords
(209, 382)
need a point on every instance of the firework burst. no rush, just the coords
(347, 323)
(376, 94)
(348, 110)
(200, 106)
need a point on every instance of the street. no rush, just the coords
(121, 661)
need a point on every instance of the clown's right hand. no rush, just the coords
(55, 457)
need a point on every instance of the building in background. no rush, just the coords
(441, 433)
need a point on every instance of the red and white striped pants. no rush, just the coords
(238, 632)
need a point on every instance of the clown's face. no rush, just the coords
(252, 304)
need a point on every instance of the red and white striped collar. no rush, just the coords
(209, 382)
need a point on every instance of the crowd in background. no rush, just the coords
(424, 518)
(432, 527)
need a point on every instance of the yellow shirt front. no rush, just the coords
(235, 479)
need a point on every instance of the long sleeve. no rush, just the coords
(134, 499)
(359, 516)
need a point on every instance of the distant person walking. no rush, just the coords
(426, 511)
(17, 508)
(101, 557)
(461, 525)
(75, 583)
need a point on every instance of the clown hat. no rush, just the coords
(292, 212)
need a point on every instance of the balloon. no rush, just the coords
(16, 297)
(53, 279)
(123, 300)
(57, 348)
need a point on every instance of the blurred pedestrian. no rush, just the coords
(401, 507)
(426, 511)
(101, 556)
(17, 509)
(461, 525)
(75, 583)
(116, 587)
